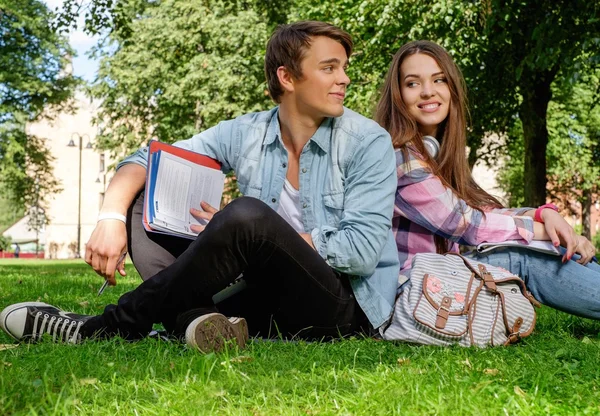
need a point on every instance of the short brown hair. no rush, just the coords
(287, 47)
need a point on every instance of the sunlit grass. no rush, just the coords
(556, 371)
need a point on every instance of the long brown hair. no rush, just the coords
(451, 165)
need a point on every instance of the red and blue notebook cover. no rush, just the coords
(154, 153)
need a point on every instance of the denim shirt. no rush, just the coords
(347, 176)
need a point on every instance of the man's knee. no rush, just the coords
(246, 211)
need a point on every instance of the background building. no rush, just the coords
(82, 172)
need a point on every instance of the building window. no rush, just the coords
(102, 163)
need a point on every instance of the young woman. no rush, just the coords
(439, 205)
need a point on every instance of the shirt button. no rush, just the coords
(303, 170)
(304, 205)
(274, 200)
(284, 165)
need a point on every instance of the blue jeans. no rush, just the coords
(569, 287)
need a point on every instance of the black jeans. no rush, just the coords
(293, 292)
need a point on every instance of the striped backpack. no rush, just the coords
(455, 300)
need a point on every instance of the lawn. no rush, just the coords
(555, 371)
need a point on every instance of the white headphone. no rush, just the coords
(432, 146)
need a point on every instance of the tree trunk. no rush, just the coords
(586, 214)
(536, 93)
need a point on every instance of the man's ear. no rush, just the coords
(285, 79)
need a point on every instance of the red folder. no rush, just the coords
(156, 146)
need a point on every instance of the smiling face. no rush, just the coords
(321, 89)
(425, 92)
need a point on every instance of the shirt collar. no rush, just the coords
(321, 137)
(273, 129)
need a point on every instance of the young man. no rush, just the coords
(312, 235)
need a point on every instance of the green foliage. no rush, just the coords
(5, 243)
(9, 213)
(527, 45)
(573, 153)
(185, 66)
(510, 177)
(32, 59)
(155, 83)
(574, 123)
(596, 242)
(26, 169)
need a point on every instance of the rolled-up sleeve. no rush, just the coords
(355, 246)
(425, 200)
(513, 212)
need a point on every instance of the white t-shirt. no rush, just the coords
(289, 206)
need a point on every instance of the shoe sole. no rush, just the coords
(9, 309)
(212, 332)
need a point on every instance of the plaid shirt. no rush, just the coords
(424, 208)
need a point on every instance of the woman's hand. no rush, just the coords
(585, 249)
(205, 214)
(560, 232)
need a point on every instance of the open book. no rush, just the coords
(177, 180)
(537, 245)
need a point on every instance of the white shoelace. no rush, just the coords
(67, 332)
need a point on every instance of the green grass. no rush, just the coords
(555, 371)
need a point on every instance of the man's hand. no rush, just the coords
(105, 247)
(585, 249)
(307, 237)
(560, 232)
(206, 214)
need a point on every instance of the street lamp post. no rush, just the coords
(80, 147)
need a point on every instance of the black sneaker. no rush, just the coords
(29, 321)
(211, 332)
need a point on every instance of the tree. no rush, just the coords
(510, 52)
(32, 79)
(5, 243)
(9, 214)
(184, 66)
(528, 44)
(573, 148)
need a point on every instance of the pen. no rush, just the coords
(101, 290)
(102, 287)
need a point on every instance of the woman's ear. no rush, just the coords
(285, 79)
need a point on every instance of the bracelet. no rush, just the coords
(112, 216)
(538, 212)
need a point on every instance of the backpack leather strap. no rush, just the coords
(488, 279)
(443, 312)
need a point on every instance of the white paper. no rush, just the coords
(536, 245)
(181, 185)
